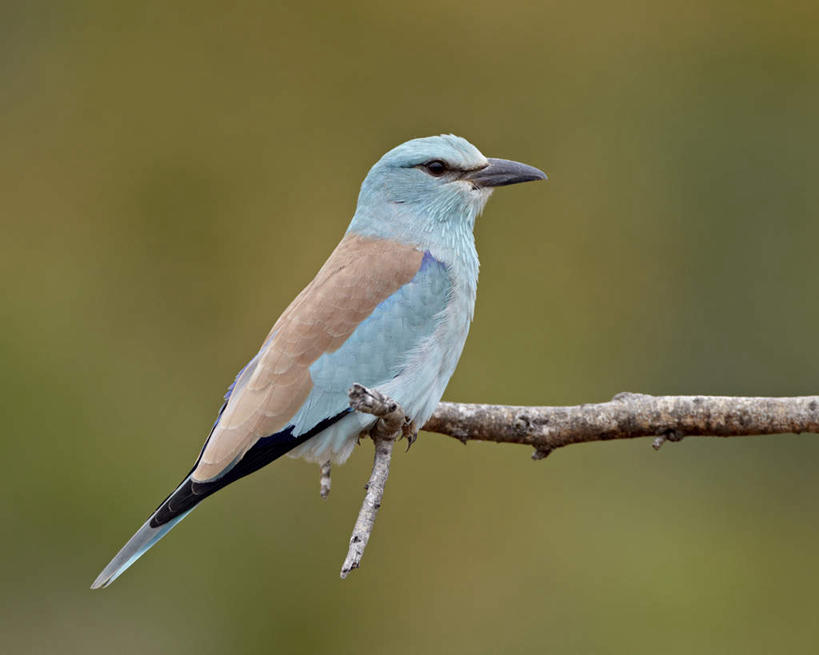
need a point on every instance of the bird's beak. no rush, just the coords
(501, 172)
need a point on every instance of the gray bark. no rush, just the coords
(626, 416)
(390, 425)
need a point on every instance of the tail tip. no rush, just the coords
(103, 580)
(99, 583)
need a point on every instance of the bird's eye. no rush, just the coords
(435, 167)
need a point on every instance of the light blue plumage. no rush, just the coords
(390, 309)
(377, 352)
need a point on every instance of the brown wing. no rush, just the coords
(360, 273)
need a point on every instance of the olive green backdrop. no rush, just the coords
(171, 174)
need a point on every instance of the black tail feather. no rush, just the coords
(190, 493)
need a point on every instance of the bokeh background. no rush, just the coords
(171, 174)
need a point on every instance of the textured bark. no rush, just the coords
(390, 425)
(325, 480)
(626, 416)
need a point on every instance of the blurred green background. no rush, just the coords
(172, 174)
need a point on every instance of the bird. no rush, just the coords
(390, 309)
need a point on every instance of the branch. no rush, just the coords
(390, 425)
(626, 416)
(325, 480)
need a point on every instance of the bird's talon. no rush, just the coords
(409, 432)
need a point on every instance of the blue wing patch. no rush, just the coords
(378, 348)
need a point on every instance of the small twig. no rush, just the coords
(667, 435)
(387, 428)
(324, 482)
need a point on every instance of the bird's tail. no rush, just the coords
(191, 492)
(150, 532)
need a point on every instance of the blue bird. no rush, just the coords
(390, 309)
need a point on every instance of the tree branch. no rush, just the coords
(390, 425)
(626, 416)
(325, 480)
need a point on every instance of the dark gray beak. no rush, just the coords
(501, 172)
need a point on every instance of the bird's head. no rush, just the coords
(431, 186)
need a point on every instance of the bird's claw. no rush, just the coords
(409, 432)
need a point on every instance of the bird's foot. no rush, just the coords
(409, 432)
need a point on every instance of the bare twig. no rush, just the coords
(324, 481)
(391, 422)
(626, 416)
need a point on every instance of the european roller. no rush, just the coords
(390, 309)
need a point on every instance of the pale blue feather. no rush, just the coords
(376, 352)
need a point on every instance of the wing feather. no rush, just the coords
(359, 275)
